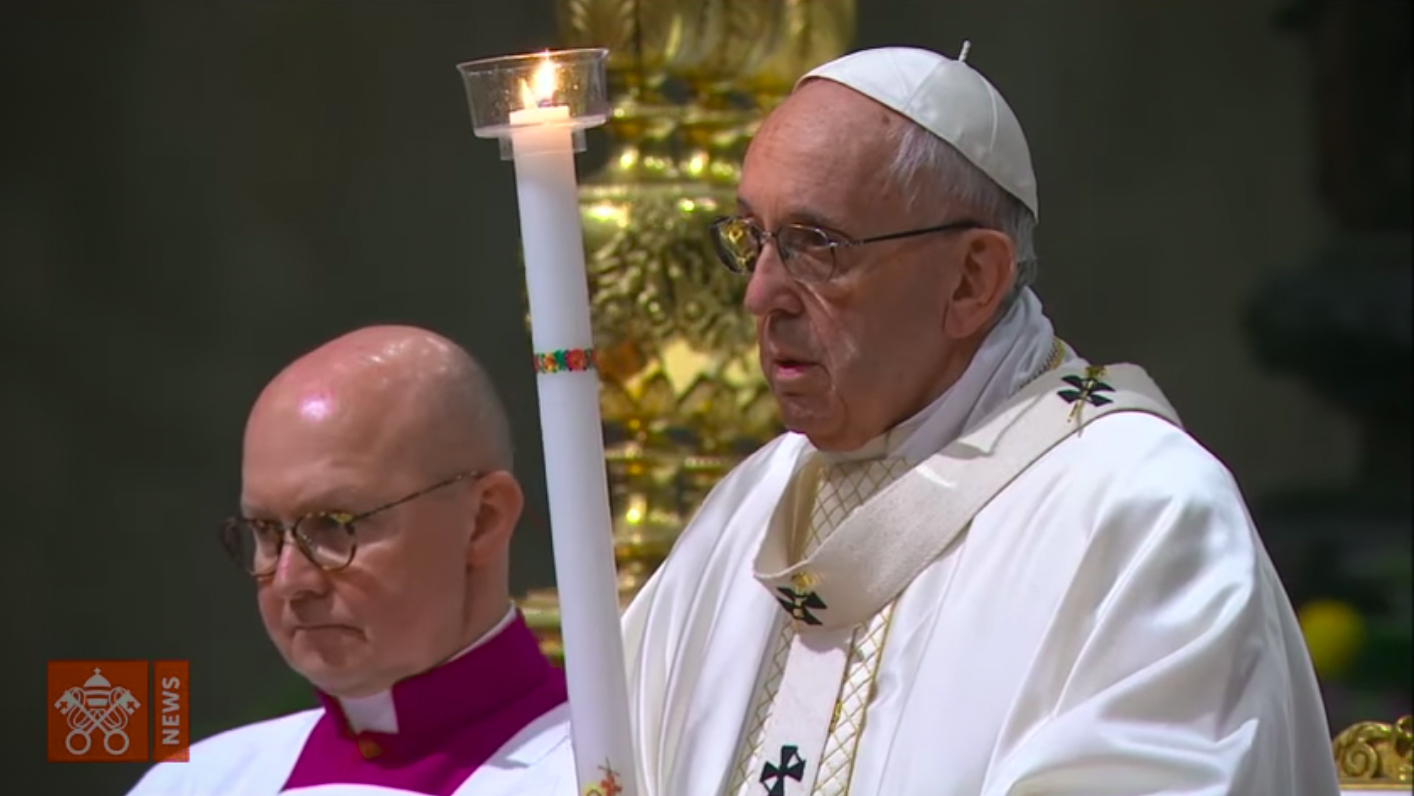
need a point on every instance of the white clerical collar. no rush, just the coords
(378, 713)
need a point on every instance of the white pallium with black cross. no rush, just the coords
(810, 706)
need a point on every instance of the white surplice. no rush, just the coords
(256, 760)
(1108, 625)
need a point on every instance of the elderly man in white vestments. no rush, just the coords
(977, 563)
(377, 507)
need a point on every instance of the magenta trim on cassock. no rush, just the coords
(451, 720)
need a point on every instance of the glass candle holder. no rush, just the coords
(556, 89)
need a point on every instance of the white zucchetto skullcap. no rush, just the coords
(949, 99)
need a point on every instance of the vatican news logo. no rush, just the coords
(100, 711)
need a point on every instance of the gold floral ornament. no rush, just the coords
(654, 277)
(666, 447)
(1375, 753)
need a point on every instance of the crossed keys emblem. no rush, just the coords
(97, 706)
(792, 766)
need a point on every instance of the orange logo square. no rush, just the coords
(98, 711)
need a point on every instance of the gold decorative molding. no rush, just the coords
(1376, 756)
(541, 609)
(814, 31)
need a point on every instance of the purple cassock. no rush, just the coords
(493, 721)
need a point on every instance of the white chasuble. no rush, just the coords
(1068, 600)
(257, 759)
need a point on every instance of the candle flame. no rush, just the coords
(540, 91)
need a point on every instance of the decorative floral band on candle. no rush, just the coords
(608, 786)
(566, 360)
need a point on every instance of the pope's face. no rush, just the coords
(849, 357)
(397, 608)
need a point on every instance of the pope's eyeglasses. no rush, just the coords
(808, 253)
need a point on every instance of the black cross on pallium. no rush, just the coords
(1087, 390)
(798, 604)
(792, 766)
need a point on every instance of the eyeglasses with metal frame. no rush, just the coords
(328, 539)
(808, 253)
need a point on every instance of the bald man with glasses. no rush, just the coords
(377, 506)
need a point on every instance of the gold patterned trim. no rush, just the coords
(762, 704)
(1057, 354)
(839, 736)
(1054, 361)
(1375, 754)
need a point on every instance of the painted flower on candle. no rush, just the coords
(608, 786)
(539, 91)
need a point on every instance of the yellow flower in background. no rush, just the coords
(1334, 634)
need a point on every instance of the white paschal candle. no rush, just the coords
(543, 150)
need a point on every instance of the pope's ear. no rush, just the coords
(986, 273)
(498, 511)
